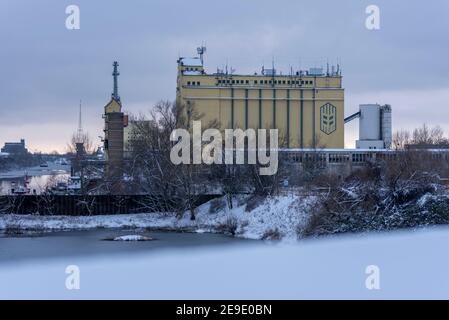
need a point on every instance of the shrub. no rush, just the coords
(272, 234)
(253, 202)
(229, 226)
(217, 205)
(13, 229)
(378, 200)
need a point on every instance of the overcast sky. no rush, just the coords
(46, 69)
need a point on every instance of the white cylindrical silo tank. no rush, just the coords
(387, 125)
(369, 127)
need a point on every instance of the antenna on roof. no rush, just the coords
(338, 67)
(79, 133)
(201, 51)
(115, 74)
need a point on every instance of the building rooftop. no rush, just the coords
(14, 147)
(191, 62)
(194, 66)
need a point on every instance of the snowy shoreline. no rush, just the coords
(285, 217)
(272, 218)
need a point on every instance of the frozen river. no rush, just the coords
(400, 265)
(39, 177)
(67, 245)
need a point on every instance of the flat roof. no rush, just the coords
(216, 75)
(191, 62)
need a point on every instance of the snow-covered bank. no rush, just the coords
(272, 218)
(408, 265)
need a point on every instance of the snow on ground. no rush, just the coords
(282, 215)
(132, 238)
(411, 265)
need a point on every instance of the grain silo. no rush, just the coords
(375, 127)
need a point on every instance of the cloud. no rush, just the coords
(411, 109)
(46, 69)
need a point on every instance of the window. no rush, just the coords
(255, 81)
(247, 81)
(188, 83)
(233, 81)
(283, 82)
(288, 82)
(198, 83)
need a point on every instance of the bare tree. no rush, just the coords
(84, 139)
(312, 160)
(401, 139)
(422, 136)
(151, 170)
(428, 136)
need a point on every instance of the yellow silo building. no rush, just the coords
(307, 107)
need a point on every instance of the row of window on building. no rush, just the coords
(256, 82)
(301, 157)
(193, 83)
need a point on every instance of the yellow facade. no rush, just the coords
(113, 106)
(307, 109)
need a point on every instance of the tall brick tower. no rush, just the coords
(113, 143)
